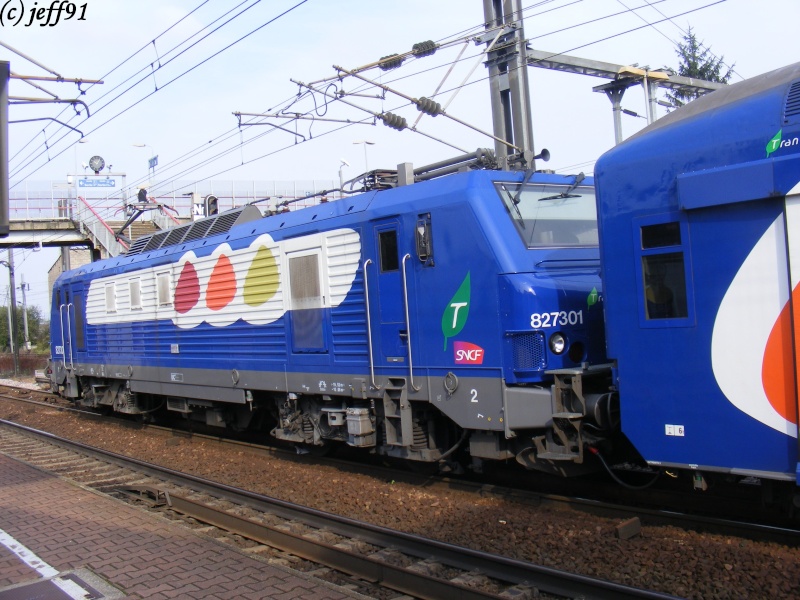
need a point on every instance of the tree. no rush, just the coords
(38, 329)
(697, 61)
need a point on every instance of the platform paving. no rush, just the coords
(81, 534)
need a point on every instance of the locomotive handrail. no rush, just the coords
(69, 334)
(369, 328)
(64, 339)
(408, 326)
(63, 342)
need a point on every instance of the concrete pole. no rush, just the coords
(12, 316)
(24, 312)
(5, 75)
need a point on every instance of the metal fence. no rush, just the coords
(93, 209)
(47, 200)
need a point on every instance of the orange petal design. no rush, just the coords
(777, 370)
(221, 285)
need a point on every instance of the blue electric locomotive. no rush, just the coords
(700, 233)
(463, 317)
(425, 322)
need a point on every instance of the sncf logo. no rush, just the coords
(467, 354)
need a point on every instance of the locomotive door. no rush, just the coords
(65, 307)
(70, 313)
(389, 287)
(391, 327)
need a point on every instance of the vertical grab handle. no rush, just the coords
(408, 325)
(63, 339)
(69, 334)
(369, 328)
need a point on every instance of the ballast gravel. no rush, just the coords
(660, 558)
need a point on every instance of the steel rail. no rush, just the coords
(511, 571)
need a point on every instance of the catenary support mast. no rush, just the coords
(508, 80)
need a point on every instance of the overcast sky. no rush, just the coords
(175, 93)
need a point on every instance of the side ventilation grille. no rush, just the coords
(791, 112)
(210, 226)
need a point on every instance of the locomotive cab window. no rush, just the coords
(387, 241)
(662, 271)
(548, 215)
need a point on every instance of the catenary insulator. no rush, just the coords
(387, 63)
(429, 107)
(394, 121)
(425, 48)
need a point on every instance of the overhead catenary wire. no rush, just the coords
(269, 22)
(147, 45)
(539, 4)
(446, 91)
(118, 66)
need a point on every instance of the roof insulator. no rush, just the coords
(425, 48)
(387, 63)
(394, 121)
(429, 107)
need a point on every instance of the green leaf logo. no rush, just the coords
(456, 313)
(774, 143)
(593, 297)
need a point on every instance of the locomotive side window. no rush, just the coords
(111, 298)
(164, 291)
(663, 272)
(135, 289)
(388, 250)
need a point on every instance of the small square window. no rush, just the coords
(164, 291)
(390, 260)
(665, 286)
(661, 235)
(135, 288)
(111, 298)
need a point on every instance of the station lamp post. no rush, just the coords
(152, 161)
(366, 143)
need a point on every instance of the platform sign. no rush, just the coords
(107, 182)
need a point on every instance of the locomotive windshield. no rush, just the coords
(548, 215)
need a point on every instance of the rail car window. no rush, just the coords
(547, 215)
(164, 291)
(111, 298)
(663, 272)
(388, 247)
(135, 289)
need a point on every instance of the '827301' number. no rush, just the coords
(556, 319)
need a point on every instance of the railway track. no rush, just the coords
(723, 525)
(758, 531)
(405, 563)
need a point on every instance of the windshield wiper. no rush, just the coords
(568, 192)
(514, 205)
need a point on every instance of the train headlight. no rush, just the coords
(557, 343)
